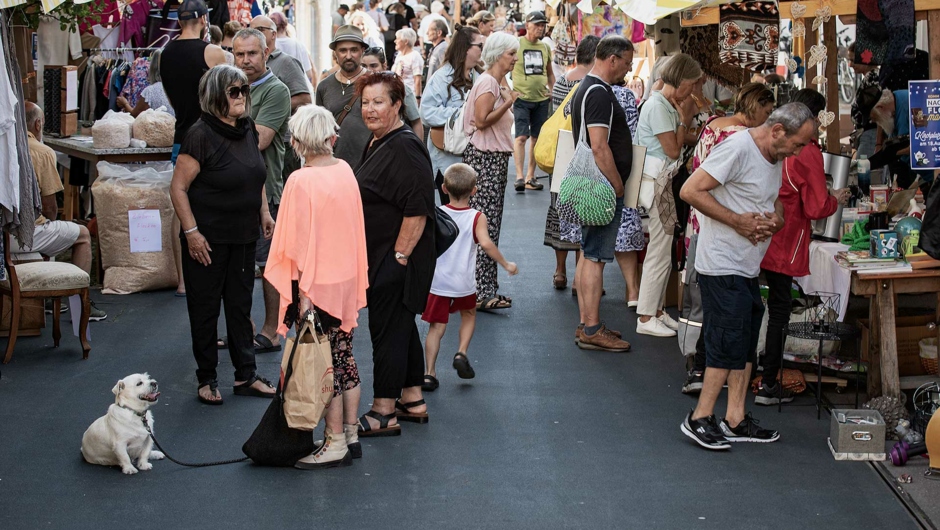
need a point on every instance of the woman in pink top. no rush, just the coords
(488, 122)
(318, 261)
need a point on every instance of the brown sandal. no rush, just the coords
(560, 281)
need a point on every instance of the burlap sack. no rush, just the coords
(118, 189)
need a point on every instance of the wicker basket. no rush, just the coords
(928, 355)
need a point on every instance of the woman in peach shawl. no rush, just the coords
(318, 261)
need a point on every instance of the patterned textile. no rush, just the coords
(136, 80)
(860, 120)
(492, 169)
(553, 232)
(748, 35)
(630, 234)
(699, 43)
(345, 370)
(627, 100)
(885, 31)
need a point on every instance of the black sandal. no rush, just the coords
(214, 387)
(245, 389)
(222, 343)
(430, 383)
(462, 365)
(264, 344)
(366, 430)
(401, 410)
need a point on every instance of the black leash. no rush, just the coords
(175, 461)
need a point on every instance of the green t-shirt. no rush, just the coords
(270, 106)
(530, 75)
(656, 117)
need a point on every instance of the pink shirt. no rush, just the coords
(496, 138)
(320, 240)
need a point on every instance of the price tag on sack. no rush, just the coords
(144, 229)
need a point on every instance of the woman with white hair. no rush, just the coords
(370, 32)
(489, 127)
(408, 62)
(318, 263)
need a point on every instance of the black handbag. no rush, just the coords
(930, 229)
(274, 442)
(445, 231)
(160, 26)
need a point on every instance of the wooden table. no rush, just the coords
(883, 349)
(81, 147)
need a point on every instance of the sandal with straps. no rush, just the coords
(366, 430)
(245, 389)
(214, 388)
(401, 410)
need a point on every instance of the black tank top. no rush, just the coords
(181, 67)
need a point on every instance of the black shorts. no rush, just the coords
(264, 245)
(732, 311)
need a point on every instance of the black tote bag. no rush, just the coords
(274, 443)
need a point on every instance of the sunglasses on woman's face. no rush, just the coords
(235, 92)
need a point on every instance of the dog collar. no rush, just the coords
(140, 414)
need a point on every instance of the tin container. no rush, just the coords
(884, 244)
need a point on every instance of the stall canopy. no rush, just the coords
(649, 11)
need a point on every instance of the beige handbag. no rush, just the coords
(310, 388)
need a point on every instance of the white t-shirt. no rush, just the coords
(295, 49)
(749, 183)
(426, 24)
(408, 66)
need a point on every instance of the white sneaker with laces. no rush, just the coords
(668, 321)
(654, 327)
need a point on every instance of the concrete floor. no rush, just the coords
(546, 436)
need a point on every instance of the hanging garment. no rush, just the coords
(87, 102)
(698, 42)
(885, 31)
(22, 219)
(10, 168)
(134, 22)
(748, 35)
(136, 80)
(57, 47)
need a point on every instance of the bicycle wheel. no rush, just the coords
(847, 81)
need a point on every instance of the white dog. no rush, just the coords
(119, 436)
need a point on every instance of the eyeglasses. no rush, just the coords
(234, 92)
(272, 30)
(479, 44)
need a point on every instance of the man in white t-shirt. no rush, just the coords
(736, 191)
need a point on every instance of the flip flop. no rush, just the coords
(403, 414)
(222, 343)
(245, 389)
(214, 387)
(430, 383)
(264, 345)
(462, 365)
(367, 431)
(179, 295)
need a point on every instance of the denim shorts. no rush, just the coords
(529, 117)
(597, 242)
(732, 311)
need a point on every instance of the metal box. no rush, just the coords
(857, 431)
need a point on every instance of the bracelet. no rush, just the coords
(191, 230)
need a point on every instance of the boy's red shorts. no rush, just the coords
(439, 307)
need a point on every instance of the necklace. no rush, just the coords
(349, 80)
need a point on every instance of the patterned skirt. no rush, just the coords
(629, 234)
(553, 233)
(345, 370)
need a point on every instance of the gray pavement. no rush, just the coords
(546, 436)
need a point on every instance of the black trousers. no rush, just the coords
(779, 305)
(228, 280)
(397, 353)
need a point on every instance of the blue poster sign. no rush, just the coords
(925, 124)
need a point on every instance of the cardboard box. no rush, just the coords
(857, 431)
(884, 244)
(909, 331)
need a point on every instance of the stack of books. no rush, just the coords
(862, 262)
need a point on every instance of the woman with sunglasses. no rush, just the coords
(218, 192)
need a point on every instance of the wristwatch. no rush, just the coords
(400, 256)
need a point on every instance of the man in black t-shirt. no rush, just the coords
(609, 137)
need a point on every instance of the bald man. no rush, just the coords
(286, 68)
(51, 237)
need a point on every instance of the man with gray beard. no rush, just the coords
(338, 94)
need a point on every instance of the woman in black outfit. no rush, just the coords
(217, 186)
(397, 190)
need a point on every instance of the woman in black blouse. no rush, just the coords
(397, 190)
(217, 186)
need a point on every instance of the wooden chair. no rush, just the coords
(45, 279)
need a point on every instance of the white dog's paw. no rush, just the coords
(157, 455)
(144, 466)
(129, 470)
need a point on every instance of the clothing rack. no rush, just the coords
(120, 50)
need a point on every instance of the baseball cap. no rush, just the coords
(347, 33)
(536, 17)
(191, 9)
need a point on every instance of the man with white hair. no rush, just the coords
(437, 8)
(437, 39)
(51, 237)
(736, 191)
(892, 115)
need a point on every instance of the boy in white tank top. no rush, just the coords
(454, 286)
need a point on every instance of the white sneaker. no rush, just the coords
(669, 321)
(654, 327)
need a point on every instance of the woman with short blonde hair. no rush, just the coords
(318, 263)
